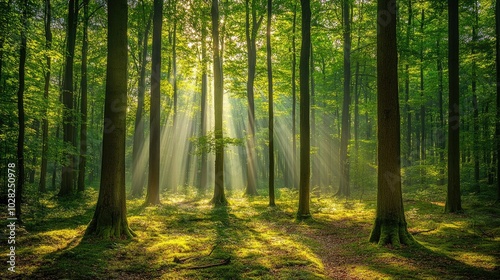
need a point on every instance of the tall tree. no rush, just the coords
(153, 193)
(110, 216)
(204, 86)
(20, 110)
(497, 61)
(293, 168)
(344, 189)
(137, 168)
(305, 149)
(475, 108)
(68, 169)
(453, 199)
(390, 224)
(83, 101)
(219, 197)
(45, 122)
(270, 99)
(251, 28)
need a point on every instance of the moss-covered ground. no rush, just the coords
(260, 242)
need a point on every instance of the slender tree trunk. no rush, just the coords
(390, 224)
(20, 109)
(315, 173)
(422, 106)
(110, 217)
(83, 104)
(441, 134)
(137, 169)
(497, 61)
(219, 198)
(475, 109)
(344, 189)
(251, 27)
(68, 169)
(293, 169)
(453, 200)
(153, 193)
(305, 160)
(271, 101)
(45, 122)
(203, 120)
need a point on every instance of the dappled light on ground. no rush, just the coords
(186, 238)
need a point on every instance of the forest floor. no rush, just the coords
(259, 242)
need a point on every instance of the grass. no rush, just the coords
(261, 242)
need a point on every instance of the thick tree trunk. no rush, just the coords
(42, 187)
(138, 169)
(344, 189)
(110, 217)
(305, 149)
(153, 192)
(453, 200)
(390, 224)
(68, 169)
(271, 105)
(83, 103)
(219, 198)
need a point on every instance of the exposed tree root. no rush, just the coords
(223, 262)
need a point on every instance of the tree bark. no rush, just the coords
(344, 189)
(83, 102)
(271, 105)
(475, 107)
(153, 192)
(453, 200)
(45, 122)
(219, 198)
(20, 109)
(110, 216)
(305, 160)
(293, 168)
(497, 61)
(251, 28)
(137, 169)
(68, 168)
(390, 224)
(203, 118)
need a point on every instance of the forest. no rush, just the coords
(250, 139)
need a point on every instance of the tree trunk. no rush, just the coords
(305, 164)
(251, 29)
(219, 198)
(453, 200)
(45, 123)
(344, 189)
(83, 102)
(440, 136)
(110, 217)
(20, 109)
(68, 168)
(422, 106)
(138, 169)
(497, 61)
(293, 168)
(475, 109)
(390, 224)
(153, 193)
(271, 105)
(203, 119)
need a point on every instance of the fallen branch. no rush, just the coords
(223, 262)
(183, 260)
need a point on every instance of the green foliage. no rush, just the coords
(208, 144)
